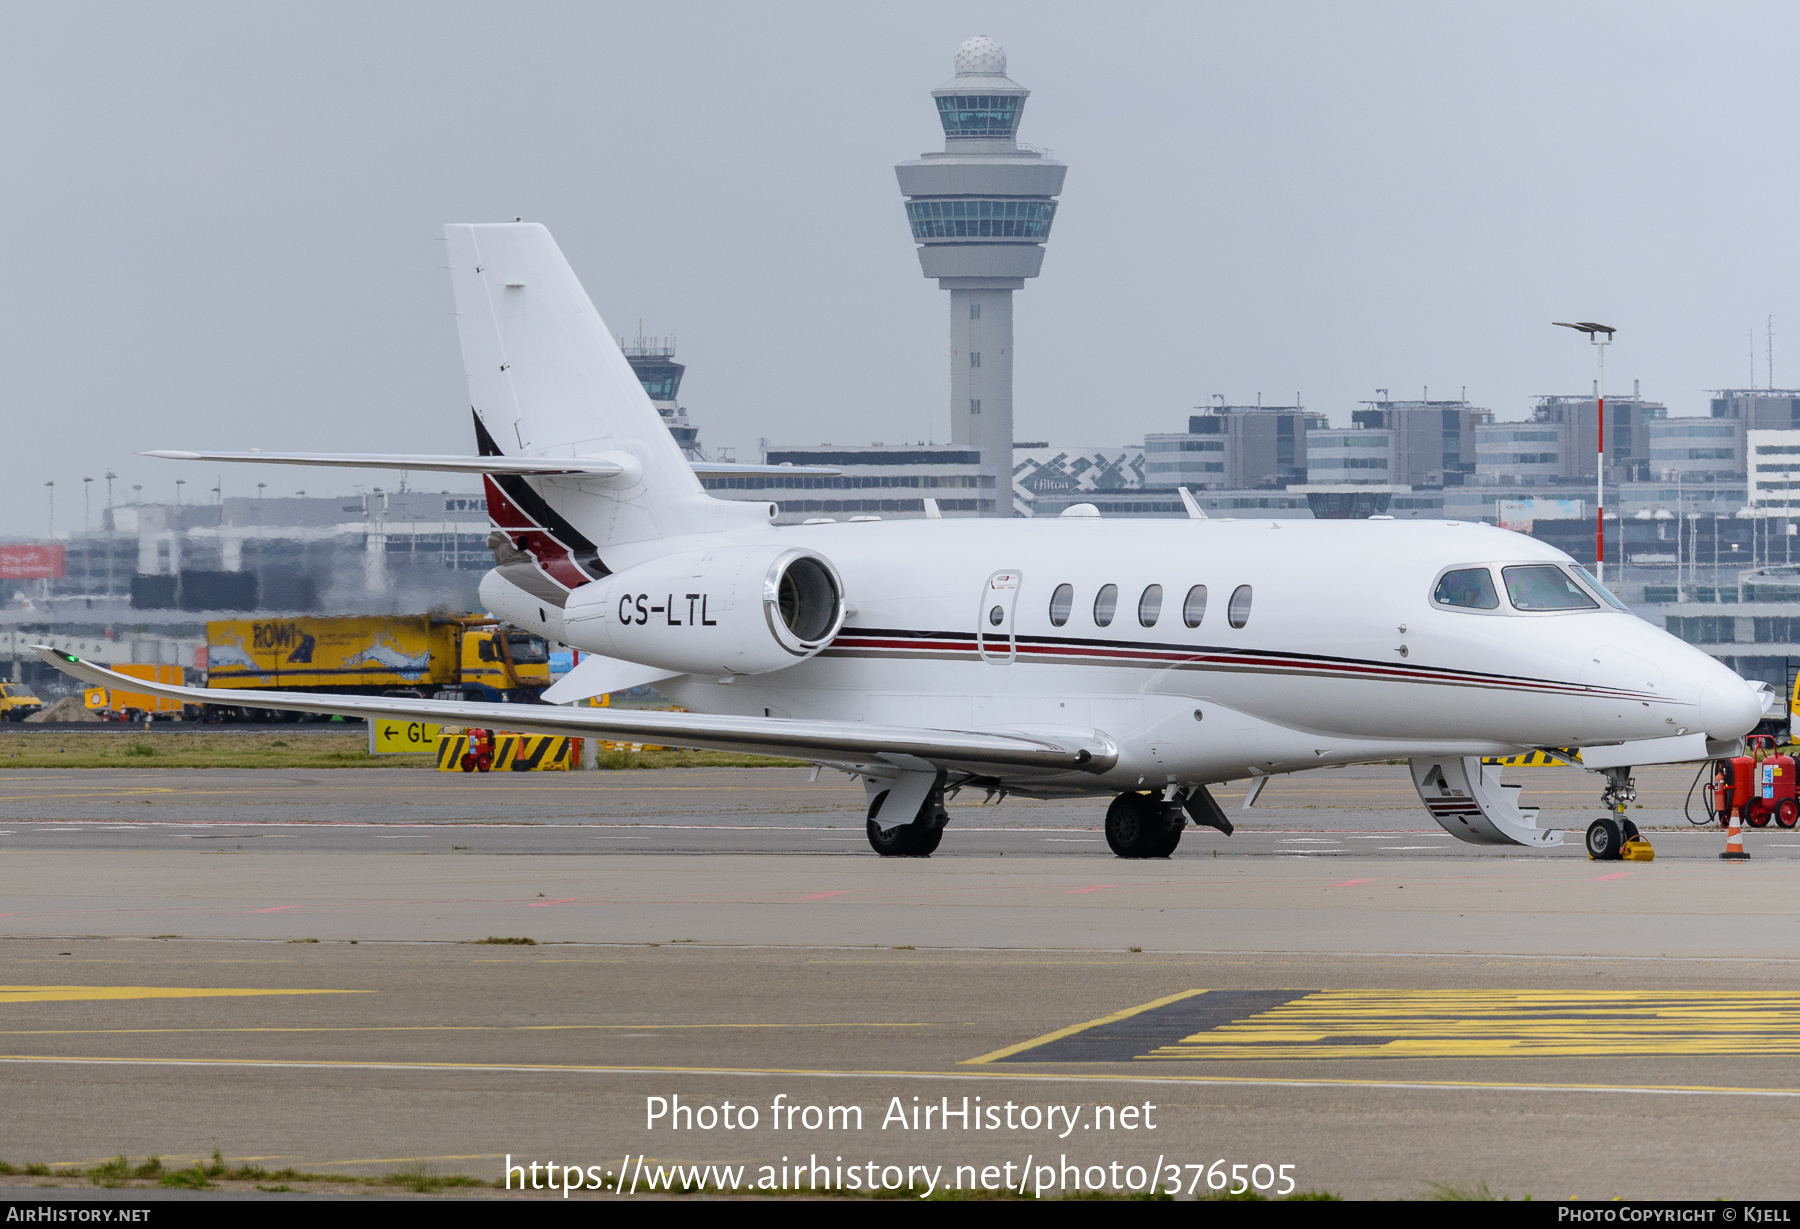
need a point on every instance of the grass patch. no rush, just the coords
(194, 749)
(105, 748)
(519, 941)
(1460, 1192)
(302, 940)
(194, 1179)
(423, 1178)
(691, 759)
(109, 1173)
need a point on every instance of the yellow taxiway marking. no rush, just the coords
(1060, 1033)
(1134, 1077)
(1341, 1024)
(64, 994)
(461, 1028)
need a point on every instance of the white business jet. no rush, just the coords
(1141, 660)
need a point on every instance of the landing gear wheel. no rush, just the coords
(1604, 840)
(1628, 830)
(1166, 844)
(914, 840)
(1134, 826)
(918, 839)
(1788, 812)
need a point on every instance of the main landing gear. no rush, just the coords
(1148, 824)
(917, 839)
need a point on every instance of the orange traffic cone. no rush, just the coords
(1734, 841)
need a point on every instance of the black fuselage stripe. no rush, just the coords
(1199, 657)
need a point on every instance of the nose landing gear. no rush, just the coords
(1615, 838)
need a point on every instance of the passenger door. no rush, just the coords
(994, 621)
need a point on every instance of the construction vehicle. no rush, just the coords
(17, 702)
(117, 704)
(440, 657)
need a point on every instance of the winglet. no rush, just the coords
(1191, 504)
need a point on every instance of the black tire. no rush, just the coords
(918, 839)
(912, 840)
(1166, 846)
(1604, 841)
(1135, 827)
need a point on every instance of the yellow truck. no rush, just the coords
(17, 702)
(117, 704)
(444, 657)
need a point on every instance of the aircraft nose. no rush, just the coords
(1729, 708)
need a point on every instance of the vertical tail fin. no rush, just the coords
(547, 379)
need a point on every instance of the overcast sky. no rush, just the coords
(224, 218)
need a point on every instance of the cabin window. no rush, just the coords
(1237, 611)
(1061, 602)
(1105, 603)
(1544, 586)
(1150, 605)
(1470, 588)
(1193, 607)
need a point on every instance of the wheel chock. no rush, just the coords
(1637, 849)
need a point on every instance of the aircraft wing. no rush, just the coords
(529, 466)
(887, 749)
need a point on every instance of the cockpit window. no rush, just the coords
(1472, 588)
(1606, 594)
(1544, 586)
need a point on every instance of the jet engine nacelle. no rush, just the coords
(733, 610)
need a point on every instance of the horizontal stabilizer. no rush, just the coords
(599, 467)
(1049, 752)
(729, 469)
(599, 676)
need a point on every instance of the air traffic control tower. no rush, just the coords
(980, 212)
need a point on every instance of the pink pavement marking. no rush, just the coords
(276, 909)
(540, 904)
(1096, 888)
(824, 895)
(1614, 875)
(1350, 883)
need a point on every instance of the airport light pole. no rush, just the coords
(1593, 332)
